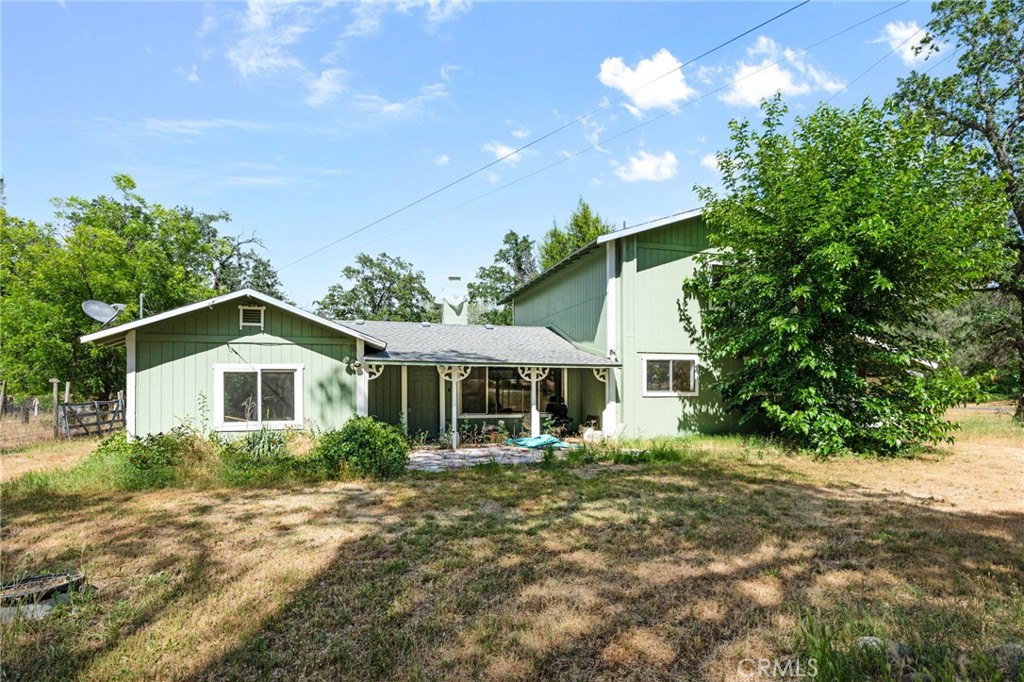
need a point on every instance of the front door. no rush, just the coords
(424, 412)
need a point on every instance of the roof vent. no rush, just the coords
(360, 321)
(425, 324)
(488, 326)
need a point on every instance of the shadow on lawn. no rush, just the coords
(667, 572)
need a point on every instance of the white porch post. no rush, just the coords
(455, 410)
(130, 392)
(533, 375)
(405, 398)
(362, 381)
(454, 374)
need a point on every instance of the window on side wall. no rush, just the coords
(250, 397)
(670, 375)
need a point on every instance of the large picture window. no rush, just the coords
(670, 375)
(500, 390)
(253, 396)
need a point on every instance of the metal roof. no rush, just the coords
(474, 345)
(603, 239)
(116, 334)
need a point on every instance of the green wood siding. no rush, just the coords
(175, 358)
(572, 301)
(653, 266)
(385, 396)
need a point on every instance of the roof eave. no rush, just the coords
(116, 334)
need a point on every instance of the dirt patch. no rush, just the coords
(979, 473)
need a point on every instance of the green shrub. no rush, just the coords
(141, 463)
(364, 446)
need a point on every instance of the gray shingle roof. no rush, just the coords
(456, 344)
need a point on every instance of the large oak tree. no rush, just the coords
(981, 104)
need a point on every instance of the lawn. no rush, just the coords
(644, 572)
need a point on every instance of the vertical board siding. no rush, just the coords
(572, 301)
(385, 395)
(654, 265)
(175, 361)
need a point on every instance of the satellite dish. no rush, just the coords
(104, 313)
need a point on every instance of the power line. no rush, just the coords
(543, 137)
(642, 124)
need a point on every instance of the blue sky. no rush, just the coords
(307, 121)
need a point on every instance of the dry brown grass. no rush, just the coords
(670, 572)
(44, 455)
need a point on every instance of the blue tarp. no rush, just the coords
(538, 442)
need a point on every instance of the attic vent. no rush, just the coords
(250, 316)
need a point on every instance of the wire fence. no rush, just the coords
(25, 424)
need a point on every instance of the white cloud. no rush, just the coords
(504, 152)
(326, 87)
(438, 11)
(191, 75)
(447, 70)
(646, 166)
(186, 126)
(366, 19)
(903, 37)
(520, 133)
(442, 160)
(268, 30)
(379, 105)
(780, 70)
(655, 83)
(368, 15)
(709, 161)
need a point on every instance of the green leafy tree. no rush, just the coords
(982, 105)
(584, 226)
(107, 248)
(514, 265)
(831, 245)
(381, 288)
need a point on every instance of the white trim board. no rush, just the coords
(122, 329)
(220, 369)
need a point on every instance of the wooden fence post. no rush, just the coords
(67, 391)
(55, 382)
(3, 397)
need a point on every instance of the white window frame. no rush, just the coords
(218, 397)
(241, 316)
(670, 394)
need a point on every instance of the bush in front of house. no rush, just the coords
(365, 447)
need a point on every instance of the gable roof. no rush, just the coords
(599, 241)
(475, 345)
(115, 335)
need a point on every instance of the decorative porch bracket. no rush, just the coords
(373, 370)
(454, 374)
(601, 374)
(533, 375)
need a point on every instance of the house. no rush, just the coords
(620, 297)
(244, 360)
(599, 331)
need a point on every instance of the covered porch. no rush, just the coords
(438, 381)
(439, 401)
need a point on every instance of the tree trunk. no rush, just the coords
(1018, 414)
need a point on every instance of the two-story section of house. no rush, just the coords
(621, 296)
